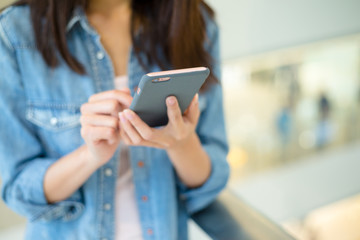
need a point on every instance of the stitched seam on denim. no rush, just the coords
(12, 37)
(72, 22)
(101, 211)
(4, 35)
(24, 46)
(109, 65)
(94, 64)
(38, 104)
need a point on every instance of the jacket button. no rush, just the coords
(53, 121)
(108, 172)
(144, 198)
(150, 231)
(107, 206)
(100, 55)
(140, 164)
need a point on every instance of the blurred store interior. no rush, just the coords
(291, 83)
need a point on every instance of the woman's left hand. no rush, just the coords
(180, 127)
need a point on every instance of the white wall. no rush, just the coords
(254, 26)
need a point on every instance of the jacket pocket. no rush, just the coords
(53, 116)
(57, 127)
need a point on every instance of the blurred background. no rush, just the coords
(291, 80)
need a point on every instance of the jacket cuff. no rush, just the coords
(26, 195)
(198, 198)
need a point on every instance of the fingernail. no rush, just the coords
(122, 118)
(170, 100)
(197, 97)
(129, 114)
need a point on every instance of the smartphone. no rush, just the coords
(154, 88)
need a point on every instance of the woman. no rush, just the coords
(74, 159)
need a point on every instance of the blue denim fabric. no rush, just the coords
(40, 110)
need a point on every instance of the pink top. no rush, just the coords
(127, 222)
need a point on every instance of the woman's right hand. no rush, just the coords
(100, 123)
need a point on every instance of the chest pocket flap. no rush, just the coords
(53, 116)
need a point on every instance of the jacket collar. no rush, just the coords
(79, 17)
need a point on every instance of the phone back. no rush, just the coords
(149, 100)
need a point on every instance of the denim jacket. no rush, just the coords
(40, 111)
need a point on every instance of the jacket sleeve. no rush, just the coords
(22, 161)
(212, 134)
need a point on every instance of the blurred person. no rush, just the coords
(109, 175)
(324, 128)
(284, 128)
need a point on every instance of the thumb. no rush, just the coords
(173, 111)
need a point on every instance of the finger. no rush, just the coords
(122, 96)
(193, 101)
(130, 130)
(124, 136)
(173, 111)
(126, 90)
(192, 113)
(152, 144)
(128, 140)
(99, 120)
(96, 134)
(146, 132)
(145, 143)
(107, 106)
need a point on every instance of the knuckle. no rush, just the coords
(114, 123)
(84, 132)
(114, 105)
(82, 119)
(149, 135)
(85, 119)
(177, 117)
(110, 132)
(83, 108)
(91, 98)
(137, 140)
(113, 92)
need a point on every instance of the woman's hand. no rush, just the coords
(134, 131)
(100, 123)
(178, 138)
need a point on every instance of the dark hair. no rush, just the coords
(163, 23)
